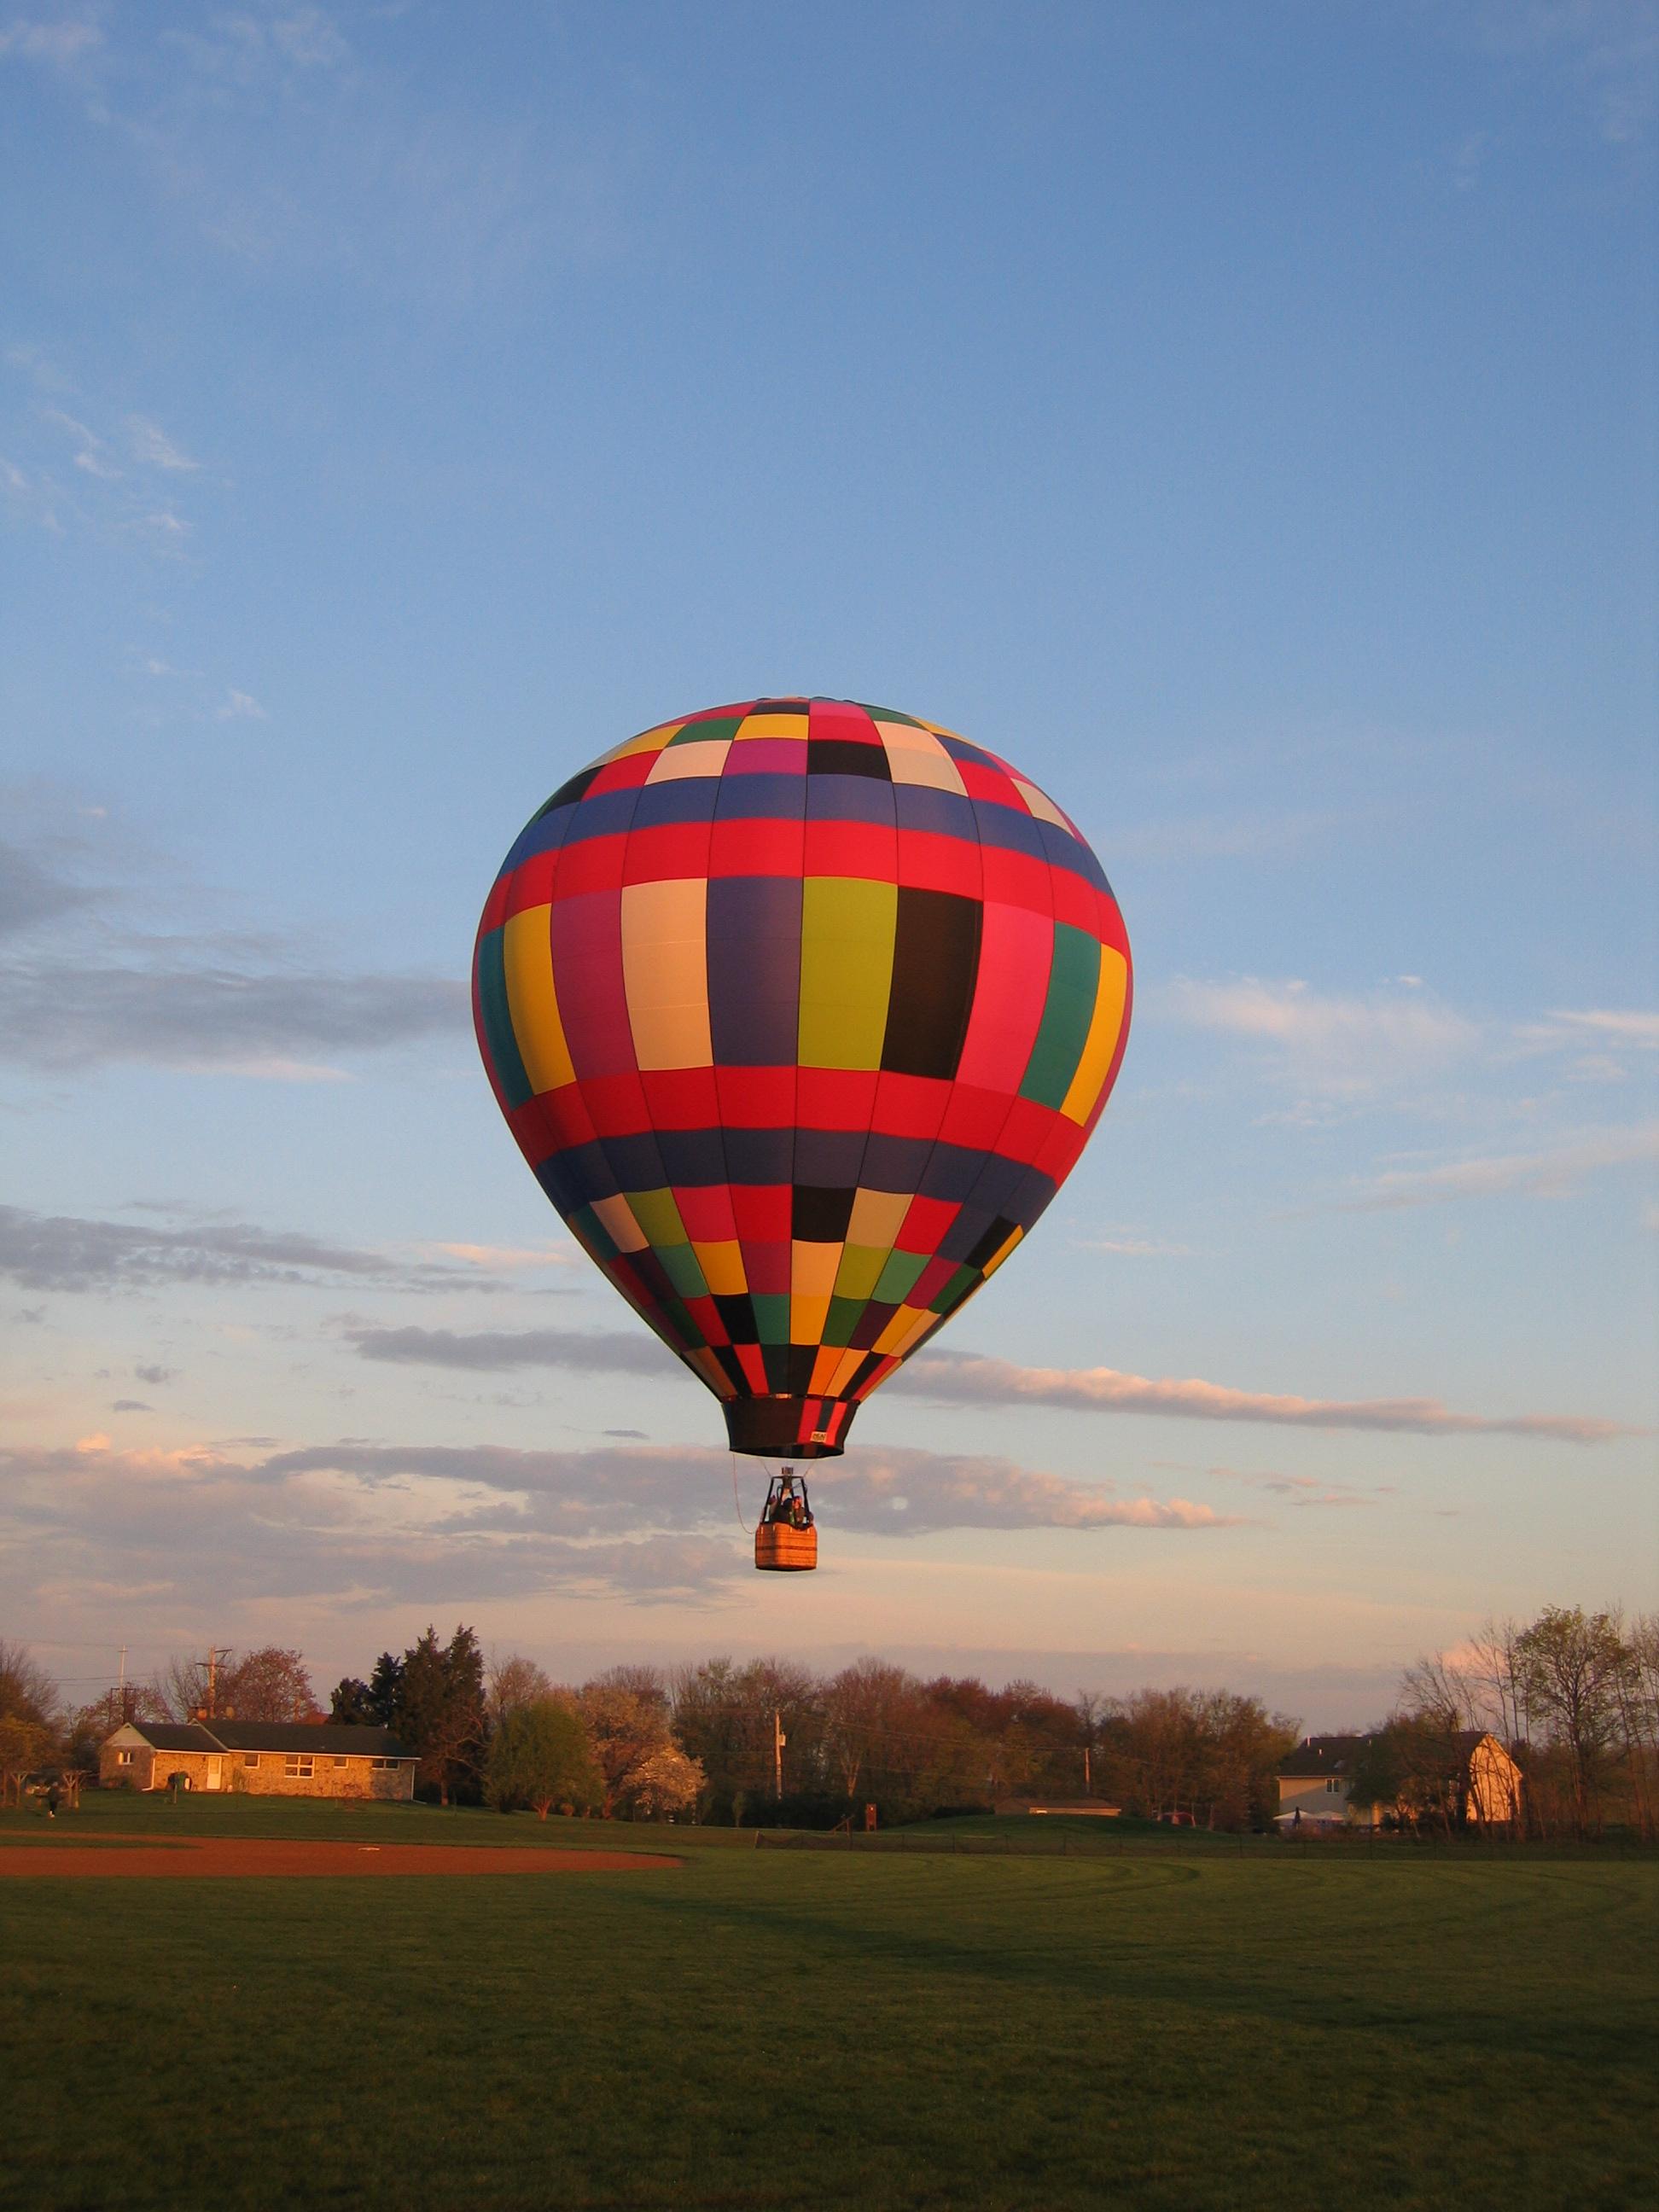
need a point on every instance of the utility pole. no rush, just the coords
(779, 1740)
(213, 1681)
(1088, 1786)
(121, 1686)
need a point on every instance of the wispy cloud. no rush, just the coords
(58, 44)
(1335, 1045)
(32, 894)
(90, 453)
(1247, 836)
(209, 1001)
(610, 1352)
(66, 1252)
(240, 707)
(1611, 48)
(73, 1253)
(1552, 1173)
(151, 446)
(966, 1378)
(1629, 1029)
(124, 474)
(507, 1259)
(1133, 1248)
(246, 50)
(187, 1009)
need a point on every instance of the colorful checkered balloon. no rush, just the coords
(801, 1012)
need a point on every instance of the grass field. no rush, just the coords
(763, 2028)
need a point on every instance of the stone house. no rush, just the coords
(1313, 1789)
(263, 1759)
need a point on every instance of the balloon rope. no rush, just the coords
(737, 1501)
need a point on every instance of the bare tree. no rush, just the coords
(27, 1692)
(511, 1681)
(268, 1684)
(1572, 1663)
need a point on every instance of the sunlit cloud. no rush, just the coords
(420, 1523)
(964, 1378)
(967, 1379)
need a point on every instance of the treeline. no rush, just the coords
(1573, 1696)
(770, 1742)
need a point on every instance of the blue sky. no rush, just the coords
(1240, 417)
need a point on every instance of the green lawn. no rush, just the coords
(774, 2029)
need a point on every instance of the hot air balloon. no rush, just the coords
(801, 1012)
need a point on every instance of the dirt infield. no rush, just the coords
(239, 1857)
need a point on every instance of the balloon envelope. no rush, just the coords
(800, 1011)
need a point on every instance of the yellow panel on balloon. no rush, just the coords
(1110, 991)
(532, 1002)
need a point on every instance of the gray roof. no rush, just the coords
(335, 1738)
(319, 1738)
(175, 1735)
(1318, 1755)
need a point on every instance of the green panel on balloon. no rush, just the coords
(842, 1320)
(903, 1270)
(771, 1317)
(1067, 1013)
(498, 1020)
(679, 1264)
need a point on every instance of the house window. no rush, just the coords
(384, 1766)
(339, 1762)
(250, 1759)
(124, 1758)
(298, 1765)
